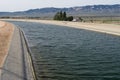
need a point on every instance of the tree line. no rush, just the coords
(62, 16)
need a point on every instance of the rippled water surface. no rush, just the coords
(62, 53)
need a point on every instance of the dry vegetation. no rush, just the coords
(102, 19)
(6, 31)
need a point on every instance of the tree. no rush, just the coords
(70, 18)
(57, 16)
(62, 16)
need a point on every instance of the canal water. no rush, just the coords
(63, 53)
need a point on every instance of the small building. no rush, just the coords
(74, 20)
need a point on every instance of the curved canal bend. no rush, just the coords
(62, 53)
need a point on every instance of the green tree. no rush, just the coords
(62, 16)
(57, 16)
(70, 18)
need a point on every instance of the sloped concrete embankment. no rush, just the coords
(18, 64)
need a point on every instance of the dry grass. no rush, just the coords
(6, 31)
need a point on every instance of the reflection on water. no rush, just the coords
(62, 53)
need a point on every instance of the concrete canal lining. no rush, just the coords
(18, 63)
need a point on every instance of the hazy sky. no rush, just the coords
(21, 5)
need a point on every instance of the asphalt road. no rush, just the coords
(17, 65)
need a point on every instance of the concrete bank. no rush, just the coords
(18, 64)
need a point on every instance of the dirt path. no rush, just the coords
(6, 31)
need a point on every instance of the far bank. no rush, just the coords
(104, 28)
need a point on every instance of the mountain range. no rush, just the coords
(90, 10)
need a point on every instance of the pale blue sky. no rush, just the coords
(21, 5)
